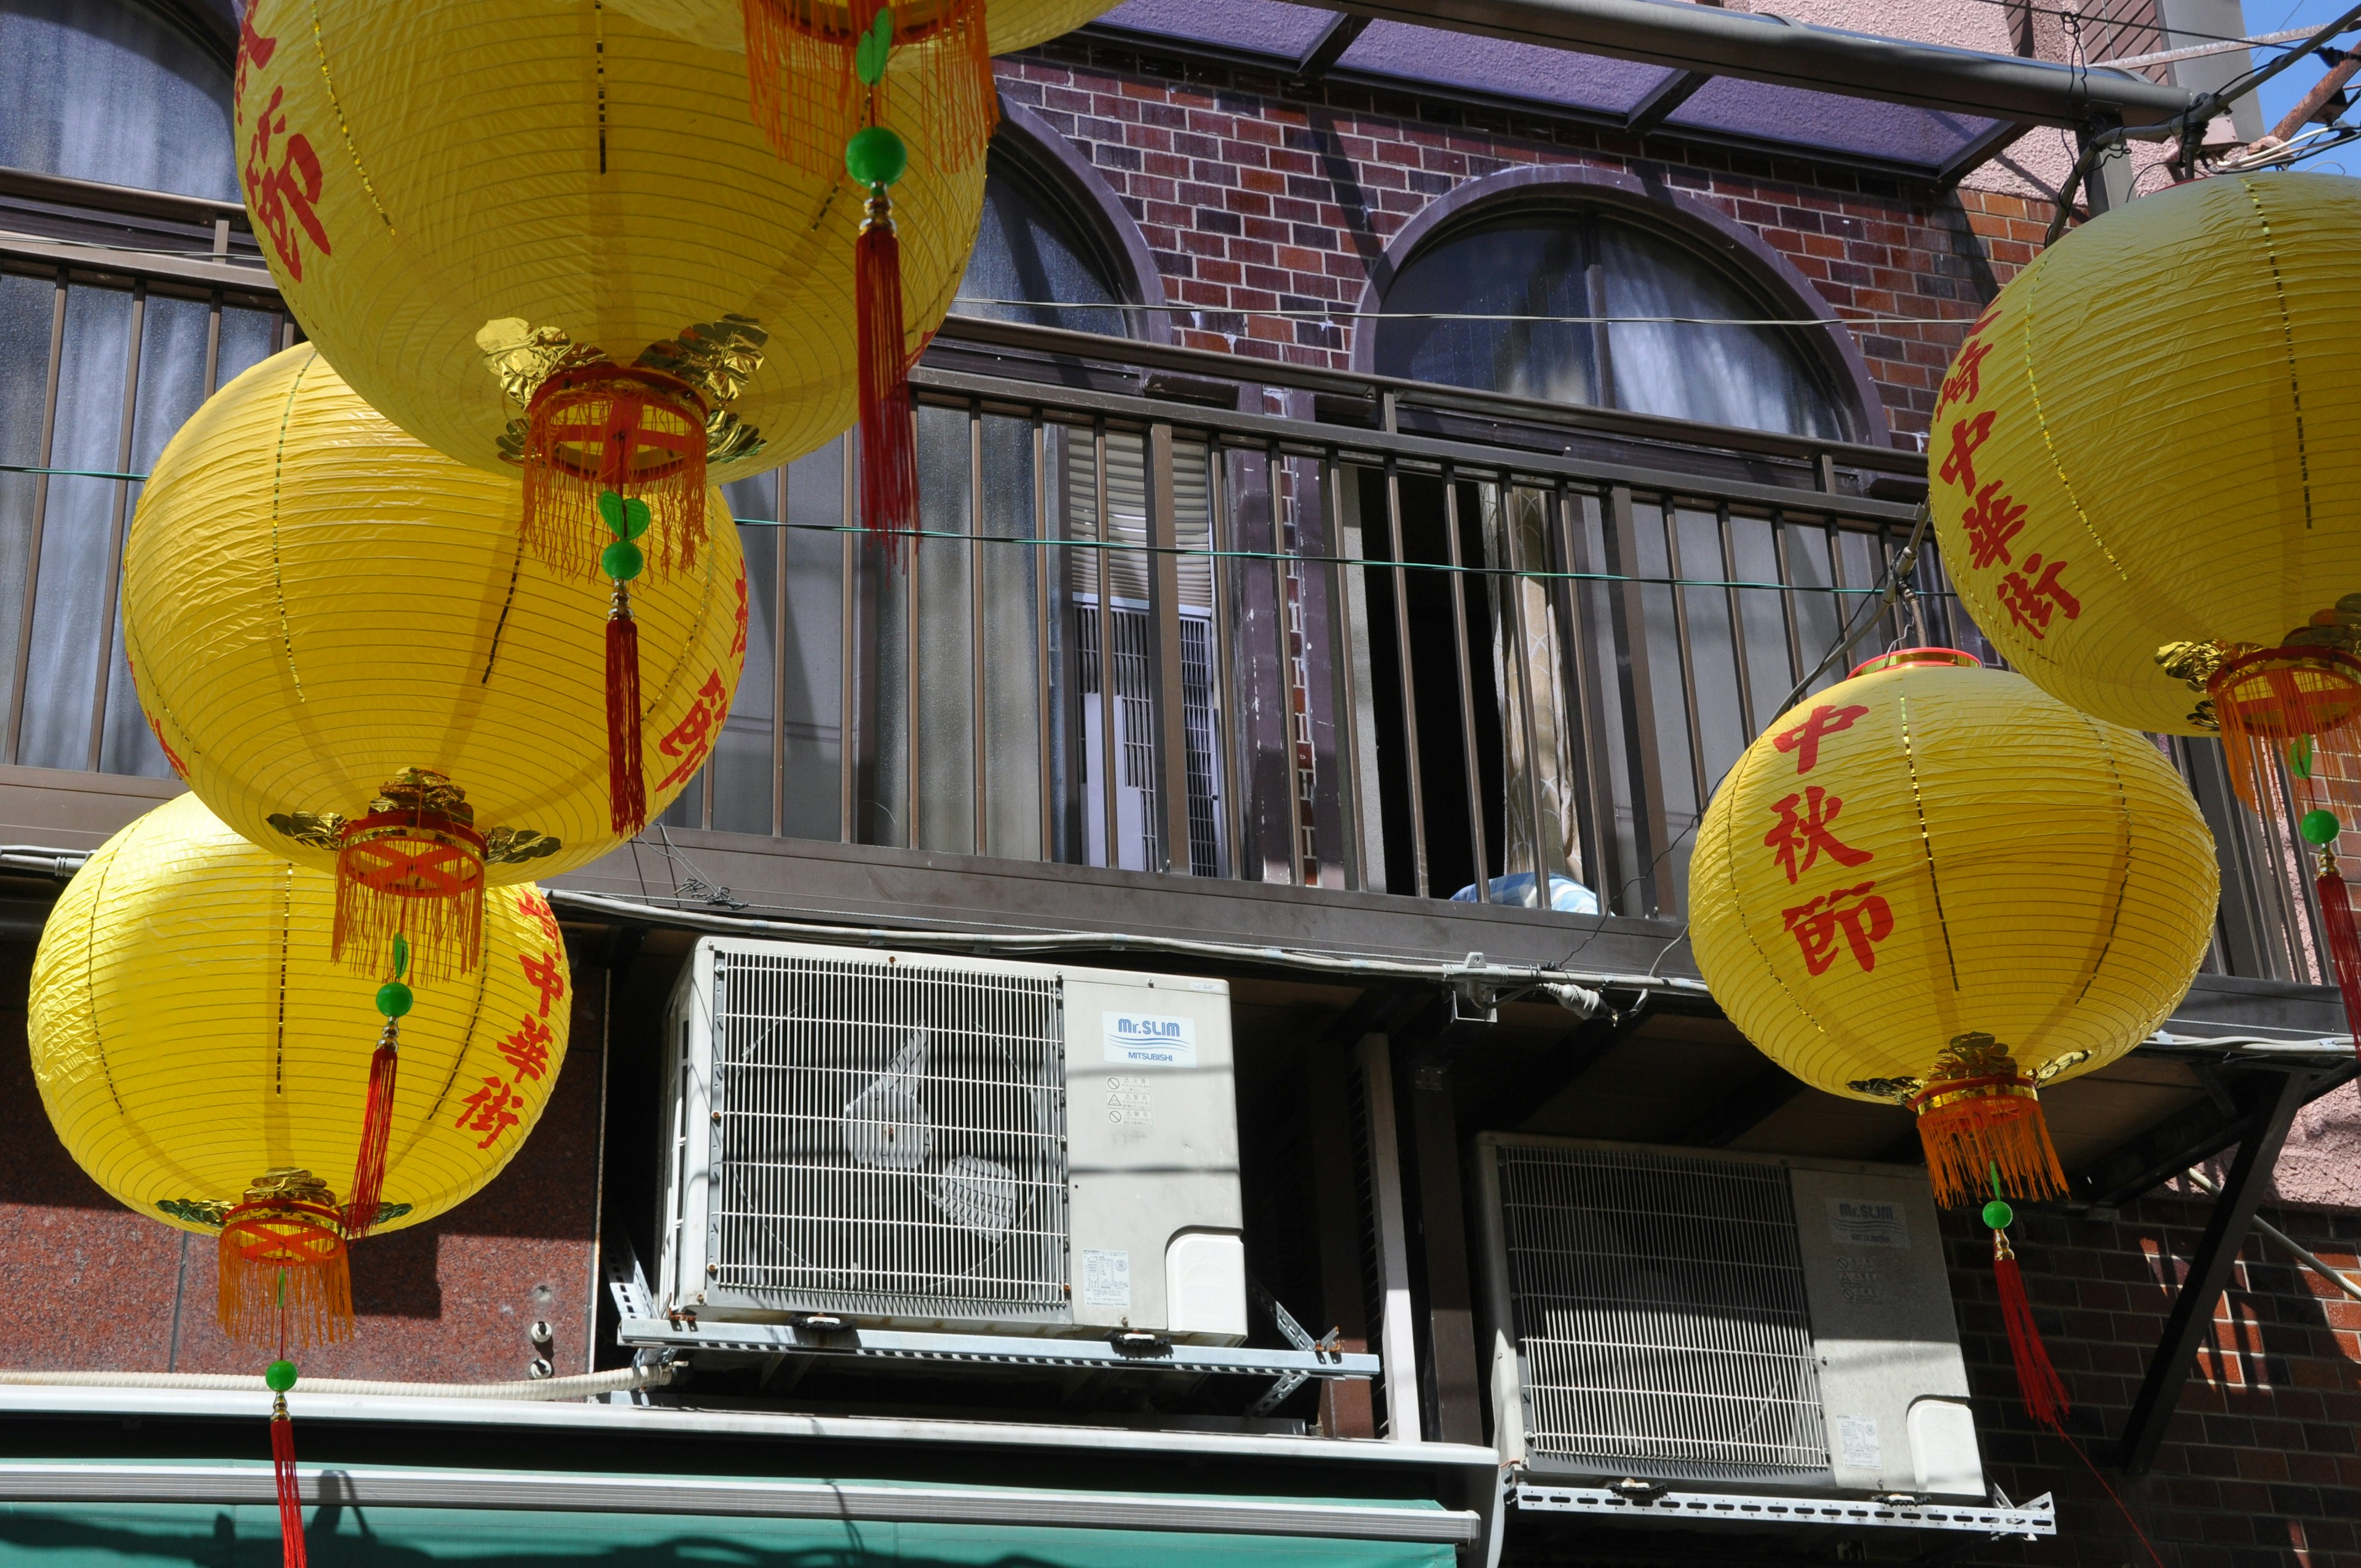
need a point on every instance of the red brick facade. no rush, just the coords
(1253, 195)
(2259, 1468)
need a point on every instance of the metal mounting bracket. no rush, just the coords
(988, 1350)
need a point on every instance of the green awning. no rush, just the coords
(116, 1535)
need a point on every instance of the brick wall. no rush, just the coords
(1255, 197)
(2259, 1467)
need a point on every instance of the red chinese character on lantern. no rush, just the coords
(491, 1110)
(1965, 383)
(1807, 833)
(291, 187)
(1855, 913)
(179, 768)
(1991, 519)
(2031, 594)
(547, 973)
(253, 48)
(527, 1050)
(1959, 467)
(689, 740)
(535, 908)
(1803, 740)
(738, 642)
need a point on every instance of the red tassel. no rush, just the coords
(290, 1494)
(377, 1131)
(2037, 1381)
(626, 790)
(2343, 940)
(889, 460)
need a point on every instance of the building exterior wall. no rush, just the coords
(1253, 195)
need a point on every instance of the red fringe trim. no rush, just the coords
(1967, 1127)
(291, 1490)
(803, 93)
(888, 459)
(2037, 1383)
(602, 428)
(627, 792)
(2265, 700)
(376, 1133)
(302, 1245)
(416, 874)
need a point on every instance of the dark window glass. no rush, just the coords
(1665, 352)
(1032, 248)
(117, 93)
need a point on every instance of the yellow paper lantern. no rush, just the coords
(2146, 455)
(340, 647)
(543, 230)
(204, 1061)
(1932, 883)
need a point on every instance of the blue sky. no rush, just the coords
(2280, 92)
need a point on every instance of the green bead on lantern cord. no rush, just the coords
(875, 157)
(393, 999)
(1998, 1215)
(626, 517)
(280, 1376)
(2318, 827)
(622, 560)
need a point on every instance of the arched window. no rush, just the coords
(1039, 245)
(1663, 351)
(118, 93)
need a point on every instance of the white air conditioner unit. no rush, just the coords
(1722, 1322)
(917, 1142)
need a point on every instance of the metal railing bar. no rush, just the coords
(1132, 353)
(1413, 771)
(913, 779)
(1230, 734)
(114, 577)
(1669, 517)
(1597, 830)
(1045, 709)
(1469, 761)
(1269, 430)
(1345, 689)
(197, 272)
(1164, 599)
(779, 660)
(1643, 755)
(1295, 702)
(848, 641)
(1738, 628)
(40, 511)
(1106, 611)
(978, 773)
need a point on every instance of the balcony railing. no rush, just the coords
(1167, 610)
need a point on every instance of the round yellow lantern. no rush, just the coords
(1933, 884)
(207, 1063)
(2130, 491)
(340, 648)
(544, 232)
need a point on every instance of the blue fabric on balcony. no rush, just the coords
(1566, 898)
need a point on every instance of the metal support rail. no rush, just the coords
(1151, 1355)
(2028, 1521)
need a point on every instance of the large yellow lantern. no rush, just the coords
(2150, 509)
(542, 231)
(207, 1063)
(1933, 884)
(2128, 489)
(341, 648)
